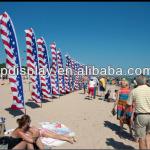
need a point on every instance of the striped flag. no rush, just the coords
(73, 69)
(32, 63)
(44, 64)
(70, 76)
(67, 76)
(61, 77)
(76, 76)
(54, 70)
(9, 40)
(81, 76)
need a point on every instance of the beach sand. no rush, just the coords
(91, 120)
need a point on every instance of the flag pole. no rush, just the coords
(41, 104)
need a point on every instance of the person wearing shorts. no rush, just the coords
(91, 88)
(141, 97)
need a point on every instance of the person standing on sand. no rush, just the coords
(91, 86)
(96, 86)
(85, 83)
(121, 103)
(141, 97)
(102, 86)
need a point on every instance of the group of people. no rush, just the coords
(26, 136)
(92, 84)
(133, 108)
(131, 104)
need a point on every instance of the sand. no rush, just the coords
(91, 120)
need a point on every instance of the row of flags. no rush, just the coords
(43, 86)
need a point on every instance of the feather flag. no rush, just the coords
(9, 40)
(70, 75)
(61, 77)
(76, 76)
(44, 65)
(54, 70)
(32, 64)
(67, 79)
(73, 70)
(81, 76)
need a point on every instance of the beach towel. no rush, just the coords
(58, 128)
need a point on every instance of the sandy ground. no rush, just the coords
(91, 120)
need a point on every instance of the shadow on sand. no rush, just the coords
(82, 93)
(87, 98)
(32, 104)
(46, 100)
(120, 132)
(117, 145)
(14, 112)
(54, 97)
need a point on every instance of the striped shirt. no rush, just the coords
(141, 97)
(124, 94)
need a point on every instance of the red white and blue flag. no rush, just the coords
(32, 63)
(76, 76)
(9, 40)
(60, 76)
(73, 70)
(45, 65)
(67, 75)
(54, 70)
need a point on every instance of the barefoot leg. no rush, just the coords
(21, 145)
(39, 144)
(57, 136)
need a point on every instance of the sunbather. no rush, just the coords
(36, 133)
(19, 139)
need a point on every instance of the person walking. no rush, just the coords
(121, 103)
(102, 87)
(96, 86)
(91, 86)
(141, 97)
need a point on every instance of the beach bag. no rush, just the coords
(114, 112)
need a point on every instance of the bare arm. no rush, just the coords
(117, 99)
(25, 137)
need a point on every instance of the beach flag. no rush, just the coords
(73, 71)
(67, 80)
(81, 76)
(44, 64)
(54, 70)
(70, 76)
(9, 40)
(61, 76)
(32, 63)
(76, 76)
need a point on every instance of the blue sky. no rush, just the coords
(98, 33)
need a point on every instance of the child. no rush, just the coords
(114, 96)
(107, 95)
